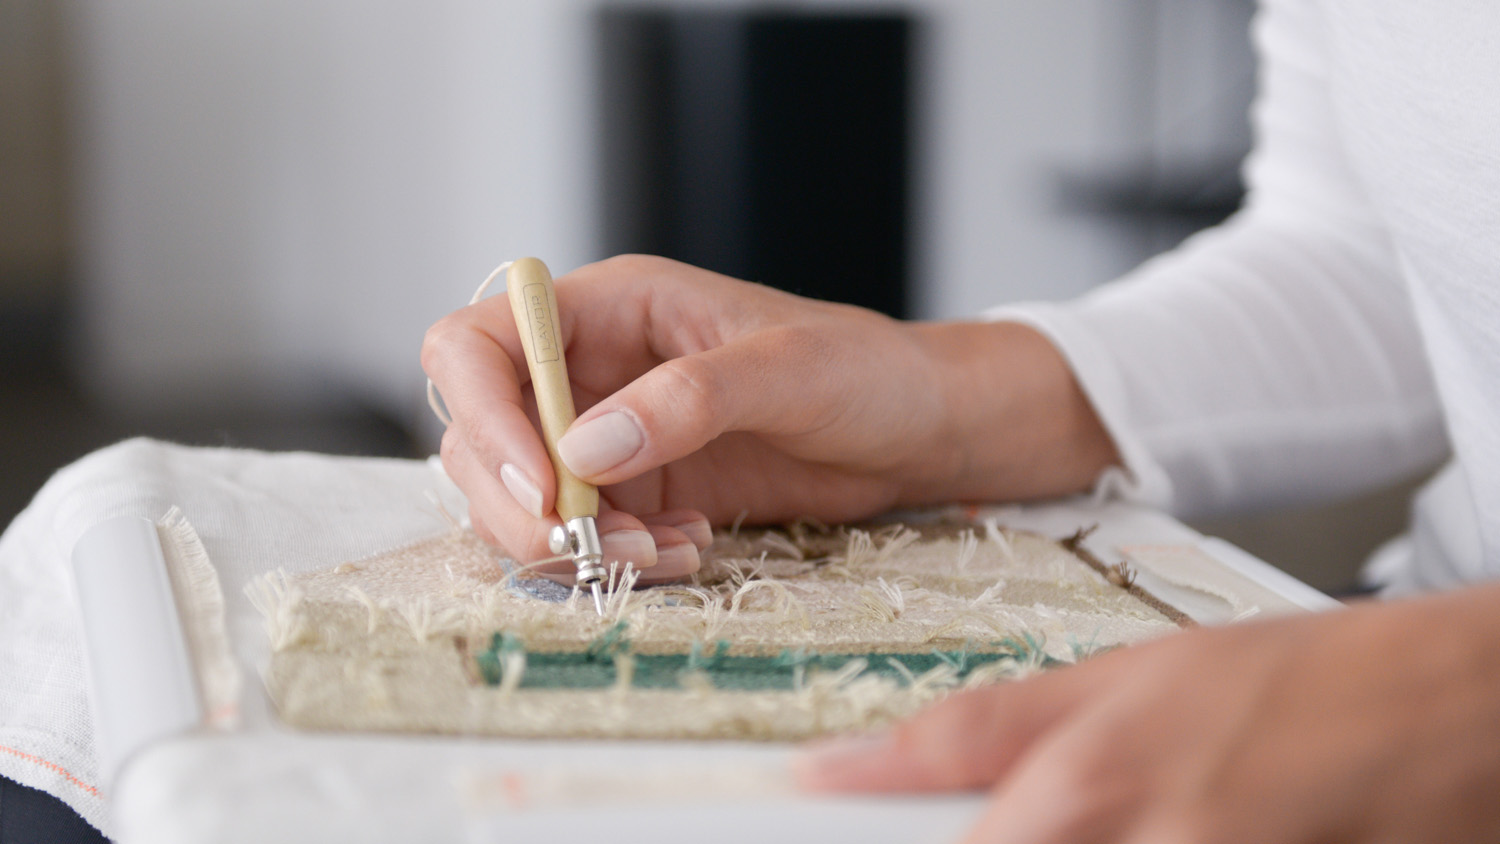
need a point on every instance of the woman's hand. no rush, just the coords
(702, 398)
(1377, 724)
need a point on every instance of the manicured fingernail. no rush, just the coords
(525, 492)
(689, 523)
(676, 561)
(600, 444)
(628, 546)
(693, 526)
(824, 761)
(698, 531)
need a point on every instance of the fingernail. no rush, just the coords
(689, 523)
(694, 527)
(522, 489)
(600, 444)
(698, 531)
(822, 762)
(628, 546)
(676, 561)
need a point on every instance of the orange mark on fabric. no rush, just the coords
(515, 790)
(53, 766)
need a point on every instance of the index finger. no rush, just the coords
(474, 357)
(966, 741)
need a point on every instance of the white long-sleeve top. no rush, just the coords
(1344, 328)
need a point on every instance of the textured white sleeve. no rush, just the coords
(1274, 359)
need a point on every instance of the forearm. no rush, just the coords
(1017, 425)
(1275, 359)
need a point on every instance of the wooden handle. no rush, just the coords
(533, 302)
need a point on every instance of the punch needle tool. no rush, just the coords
(533, 302)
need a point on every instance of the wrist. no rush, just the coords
(1016, 423)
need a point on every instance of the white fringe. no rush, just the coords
(968, 546)
(200, 601)
(996, 534)
(280, 603)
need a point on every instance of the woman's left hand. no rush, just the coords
(1380, 723)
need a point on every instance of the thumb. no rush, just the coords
(676, 408)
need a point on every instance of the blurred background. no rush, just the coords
(230, 223)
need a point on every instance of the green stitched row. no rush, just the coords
(594, 668)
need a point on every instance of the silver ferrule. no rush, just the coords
(588, 555)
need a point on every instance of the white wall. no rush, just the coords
(280, 195)
(276, 195)
(1011, 91)
(1018, 91)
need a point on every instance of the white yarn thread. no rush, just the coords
(434, 400)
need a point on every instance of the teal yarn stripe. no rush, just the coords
(595, 668)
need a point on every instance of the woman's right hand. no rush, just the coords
(703, 398)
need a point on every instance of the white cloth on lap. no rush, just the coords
(255, 512)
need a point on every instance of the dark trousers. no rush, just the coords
(28, 816)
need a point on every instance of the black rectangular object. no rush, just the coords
(772, 146)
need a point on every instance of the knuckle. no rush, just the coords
(440, 337)
(804, 342)
(637, 264)
(689, 388)
(481, 449)
(449, 448)
(476, 521)
(462, 442)
(949, 741)
(805, 348)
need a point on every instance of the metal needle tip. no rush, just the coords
(598, 601)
